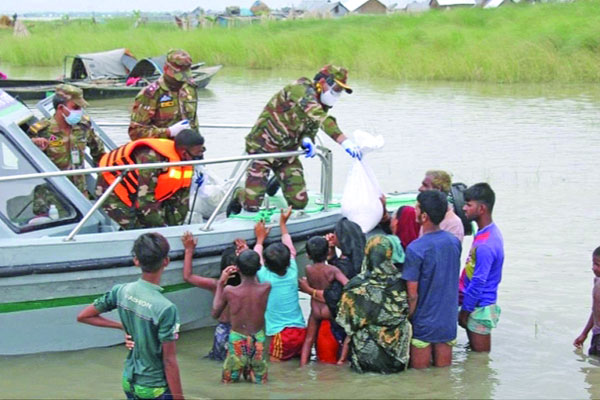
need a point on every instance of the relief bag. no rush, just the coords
(360, 201)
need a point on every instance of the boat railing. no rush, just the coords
(323, 153)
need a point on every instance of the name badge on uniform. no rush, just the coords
(166, 101)
(75, 159)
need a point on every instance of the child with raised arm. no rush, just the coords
(247, 303)
(319, 275)
(593, 323)
(284, 320)
(228, 257)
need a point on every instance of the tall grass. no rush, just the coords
(520, 43)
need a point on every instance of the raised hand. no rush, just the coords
(188, 240)
(261, 231)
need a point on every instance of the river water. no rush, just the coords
(537, 145)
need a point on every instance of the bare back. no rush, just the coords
(247, 303)
(319, 277)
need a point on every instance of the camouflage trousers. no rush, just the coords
(289, 173)
(170, 213)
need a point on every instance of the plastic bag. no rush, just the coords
(360, 201)
(205, 199)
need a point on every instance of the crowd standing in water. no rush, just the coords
(382, 304)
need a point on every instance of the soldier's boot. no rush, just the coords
(272, 186)
(234, 206)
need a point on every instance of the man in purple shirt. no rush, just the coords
(478, 286)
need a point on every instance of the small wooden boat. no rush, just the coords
(104, 75)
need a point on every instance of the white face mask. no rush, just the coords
(329, 97)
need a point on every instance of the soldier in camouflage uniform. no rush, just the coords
(64, 138)
(292, 119)
(166, 107)
(147, 212)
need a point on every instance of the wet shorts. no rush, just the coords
(221, 337)
(595, 345)
(327, 345)
(419, 344)
(287, 343)
(133, 391)
(246, 357)
(483, 319)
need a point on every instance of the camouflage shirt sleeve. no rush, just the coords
(315, 112)
(37, 129)
(177, 207)
(94, 143)
(142, 114)
(149, 209)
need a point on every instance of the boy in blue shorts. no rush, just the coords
(478, 287)
(151, 369)
(593, 323)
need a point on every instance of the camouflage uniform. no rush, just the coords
(293, 113)
(66, 149)
(149, 213)
(156, 107)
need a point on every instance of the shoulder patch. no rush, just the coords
(39, 126)
(86, 121)
(151, 89)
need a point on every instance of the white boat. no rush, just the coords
(51, 268)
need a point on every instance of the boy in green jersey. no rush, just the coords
(151, 369)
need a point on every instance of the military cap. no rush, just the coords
(180, 62)
(339, 75)
(71, 93)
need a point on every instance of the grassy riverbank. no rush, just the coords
(520, 43)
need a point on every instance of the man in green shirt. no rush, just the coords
(149, 318)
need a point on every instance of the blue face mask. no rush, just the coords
(74, 116)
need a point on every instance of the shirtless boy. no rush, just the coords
(221, 335)
(247, 303)
(320, 275)
(593, 323)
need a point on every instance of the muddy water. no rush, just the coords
(537, 145)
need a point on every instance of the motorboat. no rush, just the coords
(54, 265)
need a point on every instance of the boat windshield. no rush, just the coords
(30, 204)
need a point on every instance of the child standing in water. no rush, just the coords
(284, 319)
(593, 323)
(247, 303)
(221, 336)
(320, 275)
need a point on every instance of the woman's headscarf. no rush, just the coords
(377, 267)
(374, 305)
(407, 228)
(351, 240)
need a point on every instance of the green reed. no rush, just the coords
(517, 43)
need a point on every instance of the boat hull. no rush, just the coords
(40, 89)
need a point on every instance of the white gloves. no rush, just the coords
(178, 127)
(352, 149)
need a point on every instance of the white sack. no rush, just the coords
(209, 195)
(360, 201)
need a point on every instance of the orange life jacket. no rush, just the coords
(169, 181)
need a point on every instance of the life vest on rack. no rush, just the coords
(169, 181)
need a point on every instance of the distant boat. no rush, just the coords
(104, 75)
